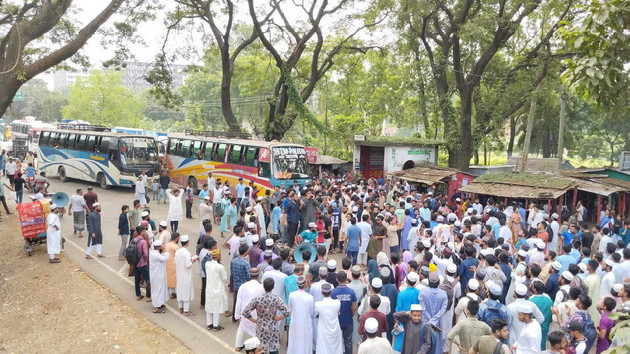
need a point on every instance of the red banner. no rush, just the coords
(312, 154)
(264, 155)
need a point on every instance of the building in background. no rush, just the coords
(62, 79)
(377, 156)
(136, 73)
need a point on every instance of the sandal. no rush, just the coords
(147, 299)
(218, 328)
(227, 314)
(158, 310)
(209, 327)
(138, 298)
(189, 313)
(238, 349)
(87, 256)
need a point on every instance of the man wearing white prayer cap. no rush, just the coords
(53, 234)
(157, 274)
(252, 346)
(374, 344)
(514, 325)
(531, 334)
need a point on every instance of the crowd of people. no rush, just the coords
(377, 266)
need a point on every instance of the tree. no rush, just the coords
(39, 102)
(102, 99)
(460, 39)
(26, 28)
(599, 70)
(287, 101)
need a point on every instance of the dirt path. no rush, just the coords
(58, 308)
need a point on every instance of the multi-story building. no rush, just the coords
(62, 79)
(136, 72)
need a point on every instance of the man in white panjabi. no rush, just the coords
(531, 335)
(53, 234)
(157, 274)
(216, 297)
(141, 192)
(183, 266)
(205, 209)
(246, 293)
(175, 211)
(374, 343)
(260, 213)
(329, 340)
(302, 310)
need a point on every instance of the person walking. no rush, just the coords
(171, 272)
(95, 232)
(163, 181)
(267, 307)
(53, 234)
(190, 197)
(183, 267)
(239, 267)
(141, 269)
(157, 274)
(246, 293)
(301, 305)
(123, 231)
(175, 212)
(216, 297)
(90, 198)
(78, 209)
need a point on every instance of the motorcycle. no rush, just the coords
(31, 183)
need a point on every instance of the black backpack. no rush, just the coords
(132, 254)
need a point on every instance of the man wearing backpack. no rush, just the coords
(492, 308)
(531, 335)
(578, 340)
(138, 257)
(514, 325)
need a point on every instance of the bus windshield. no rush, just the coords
(289, 162)
(138, 151)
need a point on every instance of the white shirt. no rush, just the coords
(217, 195)
(77, 202)
(529, 340)
(376, 345)
(607, 283)
(505, 232)
(211, 183)
(10, 167)
(604, 243)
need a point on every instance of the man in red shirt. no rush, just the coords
(375, 302)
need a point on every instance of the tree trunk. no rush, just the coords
(226, 94)
(476, 156)
(485, 154)
(461, 159)
(510, 148)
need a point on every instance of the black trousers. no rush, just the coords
(203, 291)
(188, 209)
(3, 199)
(291, 232)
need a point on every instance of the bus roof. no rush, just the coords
(89, 132)
(261, 143)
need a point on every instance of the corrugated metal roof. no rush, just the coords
(513, 191)
(425, 174)
(328, 160)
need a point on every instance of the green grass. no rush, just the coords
(529, 179)
(497, 159)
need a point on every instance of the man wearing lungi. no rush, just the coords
(78, 210)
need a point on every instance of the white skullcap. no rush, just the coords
(610, 262)
(567, 275)
(522, 253)
(255, 238)
(355, 209)
(371, 325)
(251, 225)
(469, 211)
(143, 214)
(495, 289)
(473, 284)
(312, 224)
(163, 223)
(416, 307)
(377, 283)
(540, 244)
(525, 308)
(451, 268)
(269, 242)
(582, 267)
(157, 243)
(53, 206)
(520, 289)
(426, 243)
(331, 264)
(554, 215)
(458, 223)
(184, 238)
(556, 265)
(413, 277)
(252, 343)
(248, 209)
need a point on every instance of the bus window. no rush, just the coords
(208, 150)
(220, 153)
(264, 170)
(197, 150)
(105, 144)
(90, 144)
(185, 149)
(54, 139)
(252, 155)
(63, 137)
(44, 139)
(236, 154)
(172, 146)
(81, 142)
(70, 142)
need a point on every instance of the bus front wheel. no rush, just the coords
(62, 174)
(102, 181)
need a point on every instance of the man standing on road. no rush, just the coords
(157, 274)
(175, 212)
(204, 209)
(216, 298)
(164, 182)
(267, 307)
(141, 191)
(239, 267)
(292, 218)
(302, 309)
(123, 231)
(240, 192)
(348, 299)
(53, 234)
(211, 181)
(329, 335)
(164, 234)
(11, 168)
(79, 209)
(95, 232)
(171, 272)
(246, 293)
(3, 199)
(142, 267)
(91, 198)
(217, 196)
(185, 289)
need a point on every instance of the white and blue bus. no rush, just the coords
(92, 153)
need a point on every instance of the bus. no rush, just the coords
(25, 133)
(190, 156)
(92, 153)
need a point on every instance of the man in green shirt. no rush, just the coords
(470, 329)
(487, 344)
(134, 215)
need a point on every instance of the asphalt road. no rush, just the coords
(112, 273)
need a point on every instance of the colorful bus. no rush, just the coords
(92, 153)
(190, 156)
(25, 132)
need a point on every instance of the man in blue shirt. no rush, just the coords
(309, 235)
(353, 238)
(348, 299)
(464, 272)
(409, 296)
(569, 234)
(30, 171)
(204, 193)
(276, 213)
(566, 258)
(240, 192)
